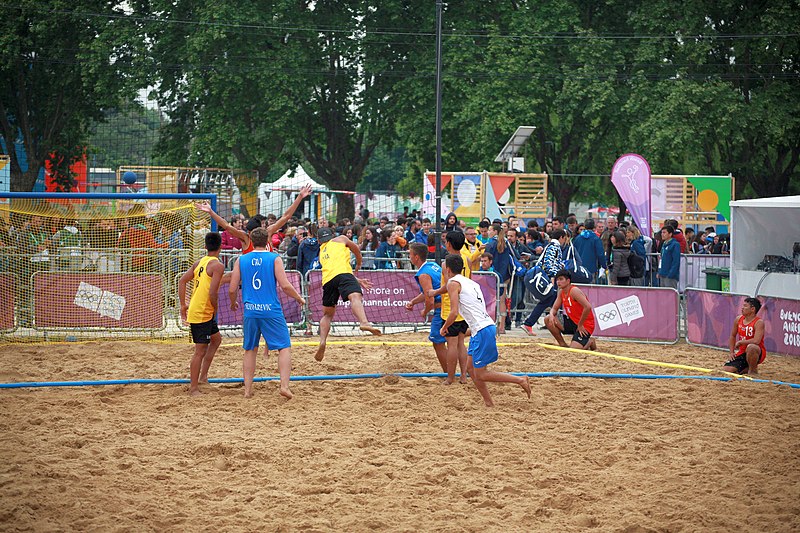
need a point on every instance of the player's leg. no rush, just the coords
(194, 368)
(357, 307)
(737, 365)
(480, 385)
(284, 369)
(484, 374)
(580, 342)
(483, 349)
(439, 342)
(211, 351)
(251, 329)
(555, 327)
(452, 359)
(324, 330)
(753, 354)
(462, 358)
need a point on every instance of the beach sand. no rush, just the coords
(392, 453)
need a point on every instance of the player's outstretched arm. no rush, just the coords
(233, 288)
(354, 249)
(216, 270)
(284, 283)
(239, 234)
(304, 193)
(186, 278)
(427, 284)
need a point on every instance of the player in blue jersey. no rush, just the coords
(429, 276)
(260, 271)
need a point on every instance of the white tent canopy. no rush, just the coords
(276, 197)
(764, 227)
(294, 180)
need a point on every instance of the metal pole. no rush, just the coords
(438, 228)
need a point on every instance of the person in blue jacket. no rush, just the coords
(387, 248)
(669, 270)
(590, 249)
(308, 251)
(552, 262)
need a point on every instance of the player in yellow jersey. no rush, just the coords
(338, 281)
(456, 332)
(200, 314)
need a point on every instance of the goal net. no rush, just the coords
(95, 266)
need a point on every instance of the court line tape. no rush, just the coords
(646, 361)
(42, 384)
(376, 343)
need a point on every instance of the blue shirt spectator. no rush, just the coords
(670, 259)
(590, 249)
(307, 253)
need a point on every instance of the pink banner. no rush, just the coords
(291, 309)
(634, 312)
(78, 300)
(710, 316)
(385, 301)
(7, 300)
(631, 177)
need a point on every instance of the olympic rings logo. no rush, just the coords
(87, 295)
(608, 315)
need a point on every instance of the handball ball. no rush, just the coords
(129, 177)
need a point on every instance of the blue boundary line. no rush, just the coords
(335, 377)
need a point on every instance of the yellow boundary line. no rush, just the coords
(642, 361)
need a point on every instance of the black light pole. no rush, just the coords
(437, 233)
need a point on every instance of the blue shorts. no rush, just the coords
(436, 327)
(274, 330)
(483, 347)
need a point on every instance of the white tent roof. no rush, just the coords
(777, 201)
(295, 180)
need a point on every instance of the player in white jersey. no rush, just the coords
(467, 300)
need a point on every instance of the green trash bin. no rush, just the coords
(713, 279)
(725, 279)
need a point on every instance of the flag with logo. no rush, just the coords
(631, 177)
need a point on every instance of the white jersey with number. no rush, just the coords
(471, 304)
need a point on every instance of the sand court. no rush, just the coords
(395, 453)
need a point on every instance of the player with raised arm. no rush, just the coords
(338, 280)
(748, 351)
(466, 300)
(260, 271)
(429, 276)
(201, 311)
(244, 236)
(578, 317)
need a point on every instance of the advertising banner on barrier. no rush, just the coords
(710, 316)
(385, 301)
(115, 301)
(7, 300)
(291, 309)
(634, 312)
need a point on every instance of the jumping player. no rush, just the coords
(466, 299)
(429, 277)
(748, 352)
(200, 314)
(338, 281)
(260, 271)
(252, 224)
(578, 317)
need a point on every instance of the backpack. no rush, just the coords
(538, 283)
(571, 263)
(636, 265)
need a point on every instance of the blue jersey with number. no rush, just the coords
(259, 287)
(435, 272)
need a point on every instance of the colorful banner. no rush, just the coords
(634, 312)
(385, 301)
(713, 194)
(631, 177)
(112, 301)
(291, 309)
(429, 196)
(466, 196)
(710, 316)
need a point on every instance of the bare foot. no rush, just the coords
(526, 386)
(248, 395)
(195, 392)
(463, 381)
(489, 403)
(320, 352)
(448, 381)
(286, 393)
(370, 328)
(203, 379)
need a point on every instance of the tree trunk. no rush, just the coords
(24, 181)
(346, 206)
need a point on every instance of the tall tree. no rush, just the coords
(61, 65)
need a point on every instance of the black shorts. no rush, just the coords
(571, 328)
(740, 362)
(342, 285)
(201, 333)
(457, 328)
